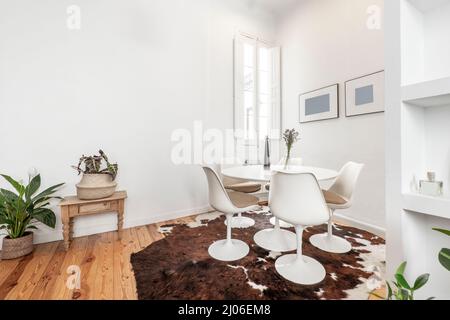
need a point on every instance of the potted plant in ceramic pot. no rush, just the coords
(98, 181)
(20, 210)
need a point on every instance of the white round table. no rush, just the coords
(276, 239)
(258, 173)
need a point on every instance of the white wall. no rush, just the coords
(438, 153)
(425, 54)
(135, 71)
(426, 133)
(393, 136)
(414, 142)
(326, 42)
(437, 50)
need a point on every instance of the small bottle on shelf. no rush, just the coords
(431, 187)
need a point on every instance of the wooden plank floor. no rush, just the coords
(104, 262)
(103, 259)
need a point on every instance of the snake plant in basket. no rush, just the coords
(20, 211)
(97, 182)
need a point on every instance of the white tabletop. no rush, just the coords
(261, 174)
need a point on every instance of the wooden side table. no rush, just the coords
(72, 207)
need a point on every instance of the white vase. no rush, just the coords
(96, 186)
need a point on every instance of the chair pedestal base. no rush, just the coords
(241, 222)
(276, 239)
(305, 270)
(225, 250)
(283, 224)
(331, 244)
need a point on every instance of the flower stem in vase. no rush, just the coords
(290, 138)
(288, 156)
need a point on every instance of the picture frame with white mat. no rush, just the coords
(365, 95)
(320, 104)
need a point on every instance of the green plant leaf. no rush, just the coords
(390, 293)
(47, 192)
(402, 281)
(46, 216)
(404, 294)
(39, 204)
(8, 195)
(16, 185)
(18, 212)
(446, 232)
(444, 258)
(421, 281)
(34, 186)
(9, 222)
(401, 269)
(42, 202)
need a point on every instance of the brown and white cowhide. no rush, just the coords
(179, 267)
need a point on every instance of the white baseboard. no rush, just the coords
(379, 231)
(166, 217)
(56, 235)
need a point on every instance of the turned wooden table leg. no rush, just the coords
(120, 213)
(66, 226)
(71, 222)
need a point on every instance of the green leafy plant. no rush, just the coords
(20, 211)
(290, 137)
(93, 165)
(444, 254)
(400, 289)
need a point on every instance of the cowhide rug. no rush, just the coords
(179, 267)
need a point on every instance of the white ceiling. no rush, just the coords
(277, 7)
(428, 5)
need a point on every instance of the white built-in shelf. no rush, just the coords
(434, 206)
(428, 5)
(428, 94)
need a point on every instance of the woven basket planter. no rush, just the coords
(16, 248)
(95, 186)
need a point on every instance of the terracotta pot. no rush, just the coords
(16, 248)
(96, 186)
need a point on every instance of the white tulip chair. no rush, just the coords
(295, 162)
(239, 187)
(339, 196)
(228, 249)
(298, 199)
(243, 187)
(277, 239)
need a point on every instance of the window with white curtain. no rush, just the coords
(257, 95)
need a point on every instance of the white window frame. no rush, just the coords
(239, 125)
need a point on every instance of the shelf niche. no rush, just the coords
(426, 145)
(425, 45)
(425, 98)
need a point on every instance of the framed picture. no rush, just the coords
(321, 104)
(365, 95)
